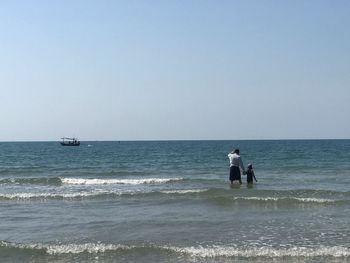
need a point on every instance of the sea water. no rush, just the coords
(171, 201)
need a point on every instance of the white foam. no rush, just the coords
(184, 191)
(229, 251)
(71, 248)
(25, 196)
(306, 200)
(256, 198)
(28, 196)
(194, 251)
(82, 181)
(315, 200)
(80, 248)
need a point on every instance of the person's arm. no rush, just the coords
(241, 165)
(254, 176)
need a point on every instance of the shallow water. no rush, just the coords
(171, 202)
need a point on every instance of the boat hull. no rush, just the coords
(70, 144)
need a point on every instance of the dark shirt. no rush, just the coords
(250, 175)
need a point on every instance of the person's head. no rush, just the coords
(250, 166)
(236, 151)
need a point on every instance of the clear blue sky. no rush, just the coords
(148, 70)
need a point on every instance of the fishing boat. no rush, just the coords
(70, 141)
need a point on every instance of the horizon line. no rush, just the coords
(168, 140)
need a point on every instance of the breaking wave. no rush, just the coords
(214, 251)
(57, 181)
(187, 191)
(220, 196)
(96, 194)
(232, 251)
(81, 181)
(33, 196)
(276, 199)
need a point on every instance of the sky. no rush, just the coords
(174, 70)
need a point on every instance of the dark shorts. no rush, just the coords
(235, 173)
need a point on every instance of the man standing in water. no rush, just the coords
(235, 164)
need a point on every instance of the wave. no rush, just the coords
(41, 196)
(56, 181)
(94, 194)
(82, 181)
(270, 195)
(220, 196)
(213, 251)
(276, 199)
(264, 251)
(91, 248)
(185, 191)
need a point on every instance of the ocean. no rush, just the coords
(171, 201)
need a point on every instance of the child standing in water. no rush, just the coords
(250, 174)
